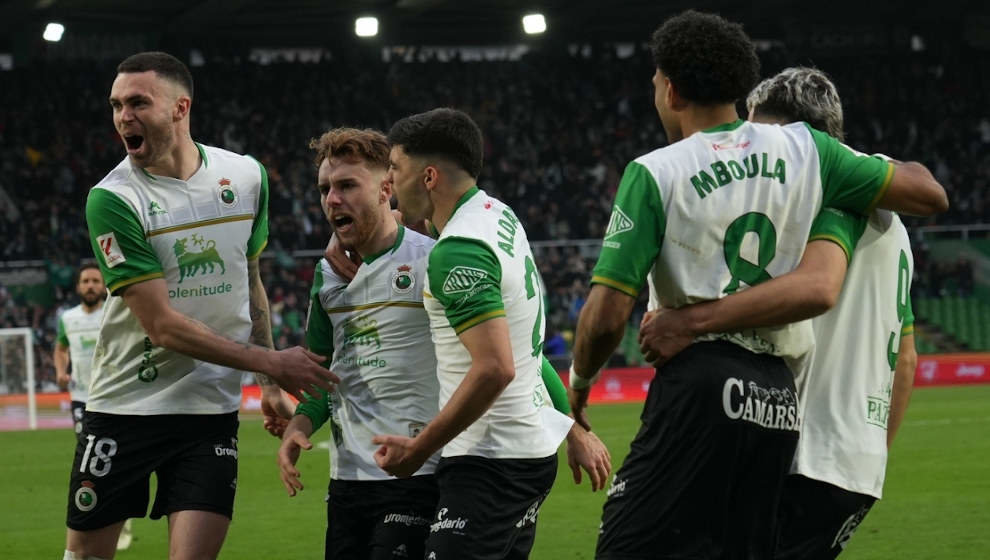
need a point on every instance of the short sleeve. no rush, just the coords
(319, 329)
(634, 233)
(840, 227)
(554, 385)
(850, 180)
(60, 336)
(122, 251)
(259, 229)
(465, 276)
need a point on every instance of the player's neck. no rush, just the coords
(445, 201)
(382, 239)
(697, 117)
(181, 162)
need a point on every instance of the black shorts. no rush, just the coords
(488, 507)
(704, 474)
(78, 407)
(817, 519)
(194, 458)
(379, 519)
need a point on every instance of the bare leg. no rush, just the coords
(196, 535)
(101, 543)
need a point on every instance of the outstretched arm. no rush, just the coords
(276, 407)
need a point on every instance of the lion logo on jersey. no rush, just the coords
(204, 261)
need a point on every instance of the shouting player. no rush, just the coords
(177, 229)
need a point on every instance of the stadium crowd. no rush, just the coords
(558, 128)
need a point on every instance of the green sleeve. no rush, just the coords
(840, 227)
(122, 251)
(319, 329)
(60, 335)
(850, 180)
(558, 393)
(317, 410)
(259, 230)
(907, 326)
(634, 233)
(466, 278)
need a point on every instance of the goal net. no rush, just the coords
(18, 403)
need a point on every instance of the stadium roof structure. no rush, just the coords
(461, 22)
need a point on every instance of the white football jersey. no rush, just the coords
(79, 330)
(844, 394)
(482, 268)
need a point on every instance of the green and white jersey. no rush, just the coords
(378, 333)
(844, 396)
(482, 268)
(78, 329)
(727, 208)
(198, 235)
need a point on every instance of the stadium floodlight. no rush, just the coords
(366, 26)
(53, 32)
(534, 24)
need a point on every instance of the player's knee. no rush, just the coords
(69, 555)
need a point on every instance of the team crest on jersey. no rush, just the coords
(86, 496)
(110, 250)
(227, 194)
(462, 278)
(402, 280)
(618, 223)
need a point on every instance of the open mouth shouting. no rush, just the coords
(134, 143)
(342, 223)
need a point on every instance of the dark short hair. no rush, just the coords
(799, 94)
(709, 59)
(84, 267)
(368, 144)
(445, 133)
(163, 64)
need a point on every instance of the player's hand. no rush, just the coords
(62, 380)
(276, 408)
(398, 455)
(578, 399)
(345, 266)
(298, 371)
(663, 334)
(586, 451)
(288, 454)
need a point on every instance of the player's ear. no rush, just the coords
(385, 189)
(183, 104)
(672, 97)
(431, 176)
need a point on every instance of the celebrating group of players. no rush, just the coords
(426, 326)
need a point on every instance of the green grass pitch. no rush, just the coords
(936, 505)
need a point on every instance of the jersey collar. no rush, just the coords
(726, 126)
(464, 198)
(395, 246)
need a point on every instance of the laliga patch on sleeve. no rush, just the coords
(112, 255)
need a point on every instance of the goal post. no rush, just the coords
(17, 375)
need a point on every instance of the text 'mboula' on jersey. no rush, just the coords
(378, 335)
(728, 208)
(78, 330)
(844, 393)
(482, 268)
(198, 236)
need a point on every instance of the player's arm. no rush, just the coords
(859, 183)
(808, 291)
(295, 439)
(276, 407)
(61, 357)
(132, 270)
(907, 363)
(477, 316)
(628, 253)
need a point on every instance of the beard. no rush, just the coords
(90, 299)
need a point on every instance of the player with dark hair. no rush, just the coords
(482, 292)
(726, 206)
(177, 229)
(76, 339)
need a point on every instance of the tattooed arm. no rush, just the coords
(275, 405)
